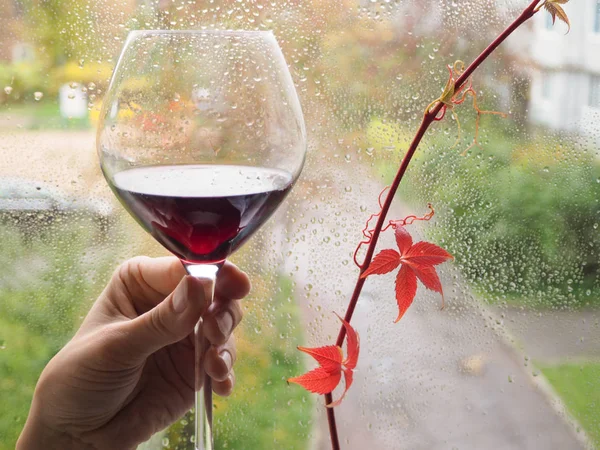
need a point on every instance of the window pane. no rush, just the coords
(595, 91)
(512, 359)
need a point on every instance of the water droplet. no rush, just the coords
(81, 63)
(348, 158)
(165, 442)
(348, 188)
(546, 169)
(73, 84)
(8, 90)
(71, 96)
(38, 96)
(92, 86)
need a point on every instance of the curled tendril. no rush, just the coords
(369, 232)
(452, 97)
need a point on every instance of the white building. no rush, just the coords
(565, 88)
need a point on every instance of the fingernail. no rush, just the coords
(225, 323)
(180, 300)
(227, 359)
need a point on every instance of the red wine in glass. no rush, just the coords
(201, 213)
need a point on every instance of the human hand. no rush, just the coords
(129, 370)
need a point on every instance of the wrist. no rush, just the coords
(36, 436)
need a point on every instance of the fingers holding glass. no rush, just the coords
(220, 360)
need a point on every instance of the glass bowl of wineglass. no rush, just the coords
(201, 137)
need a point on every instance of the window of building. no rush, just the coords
(595, 91)
(546, 86)
(597, 17)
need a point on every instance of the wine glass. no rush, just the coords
(201, 137)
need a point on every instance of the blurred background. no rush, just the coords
(513, 362)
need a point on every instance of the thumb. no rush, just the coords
(170, 321)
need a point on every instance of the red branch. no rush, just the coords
(428, 118)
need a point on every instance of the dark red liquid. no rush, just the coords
(201, 213)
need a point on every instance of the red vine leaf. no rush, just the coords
(384, 262)
(406, 289)
(328, 357)
(418, 261)
(348, 378)
(426, 254)
(353, 345)
(403, 240)
(429, 277)
(324, 379)
(318, 381)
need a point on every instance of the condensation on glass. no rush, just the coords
(511, 362)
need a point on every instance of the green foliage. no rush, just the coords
(44, 287)
(60, 29)
(23, 355)
(24, 78)
(263, 411)
(44, 115)
(48, 282)
(577, 386)
(520, 216)
(86, 73)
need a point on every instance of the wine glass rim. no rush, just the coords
(230, 32)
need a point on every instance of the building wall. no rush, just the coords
(567, 67)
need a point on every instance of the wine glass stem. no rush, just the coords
(203, 429)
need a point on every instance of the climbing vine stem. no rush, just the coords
(430, 116)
